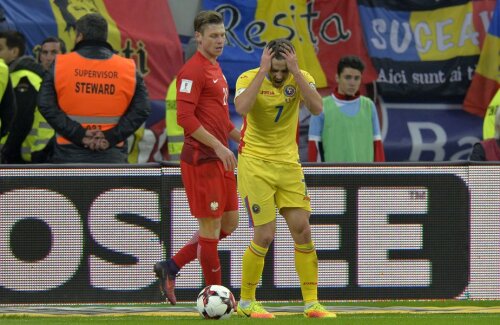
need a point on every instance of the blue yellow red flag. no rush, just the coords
(486, 80)
(321, 31)
(424, 48)
(142, 30)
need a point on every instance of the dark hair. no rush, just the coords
(53, 39)
(207, 17)
(14, 39)
(277, 44)
(350, 61)
(93, 27)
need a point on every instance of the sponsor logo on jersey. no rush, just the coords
(267, 92)
(290, 91)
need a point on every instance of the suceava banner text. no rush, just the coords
(424, 48)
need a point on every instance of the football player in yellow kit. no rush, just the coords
(269, 171)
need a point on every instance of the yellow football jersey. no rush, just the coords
(269, 130)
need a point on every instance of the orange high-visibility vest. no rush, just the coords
(93, 92)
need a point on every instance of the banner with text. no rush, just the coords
(392, 231)
(428, 132)
(142, 30)
(322, 31)
(418, 49)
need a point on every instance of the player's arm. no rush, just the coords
(245, 96)
(315, 146)
(224, 153)
(235, 135)
(312, 99)
(187, 119)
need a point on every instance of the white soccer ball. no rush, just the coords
(215, 302)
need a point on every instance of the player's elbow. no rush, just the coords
(316, 108)
(240, 107)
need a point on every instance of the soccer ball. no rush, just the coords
(215, 302)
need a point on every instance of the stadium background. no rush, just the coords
(391, 231)
(388, 231)
(420, 55)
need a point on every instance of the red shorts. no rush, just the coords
(210, 189)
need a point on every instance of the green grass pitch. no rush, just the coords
(387, 312)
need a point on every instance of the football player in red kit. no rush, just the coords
(207, 164)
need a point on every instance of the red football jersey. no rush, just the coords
(203, 85)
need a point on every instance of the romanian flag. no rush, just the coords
(486, 80)
(322, 31)
(425, 48)
(142, 30)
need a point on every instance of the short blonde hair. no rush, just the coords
(207, 17)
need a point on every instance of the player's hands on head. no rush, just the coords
(265, 60)
(291, 58)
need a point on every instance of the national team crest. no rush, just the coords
(214, 205)
(290, 91)
(256, 208)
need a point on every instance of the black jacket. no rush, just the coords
(25, 98)
(7, 109)
(137, 112)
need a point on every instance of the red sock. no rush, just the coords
(188, 252)
(209, 260)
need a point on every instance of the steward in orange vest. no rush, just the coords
(93, 98)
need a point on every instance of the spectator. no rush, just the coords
(7, 103)
(175, 133)
(93, 98)
(207, 164)
(348, 130)
(29, 137)
(489, 118)
(270, 174)
(489, 149)
(50, 47)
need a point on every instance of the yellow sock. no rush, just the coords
(253, 264)
(306, 265)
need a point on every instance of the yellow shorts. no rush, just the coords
(264, 185)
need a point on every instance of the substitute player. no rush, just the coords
(269, 171)
(207, 164)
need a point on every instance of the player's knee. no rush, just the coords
(301, 235)
(229, 228)
(229, 223)
(264, 239)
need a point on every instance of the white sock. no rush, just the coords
(244, 303)
(309, 304)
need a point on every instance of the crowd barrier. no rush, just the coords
(81, 234)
